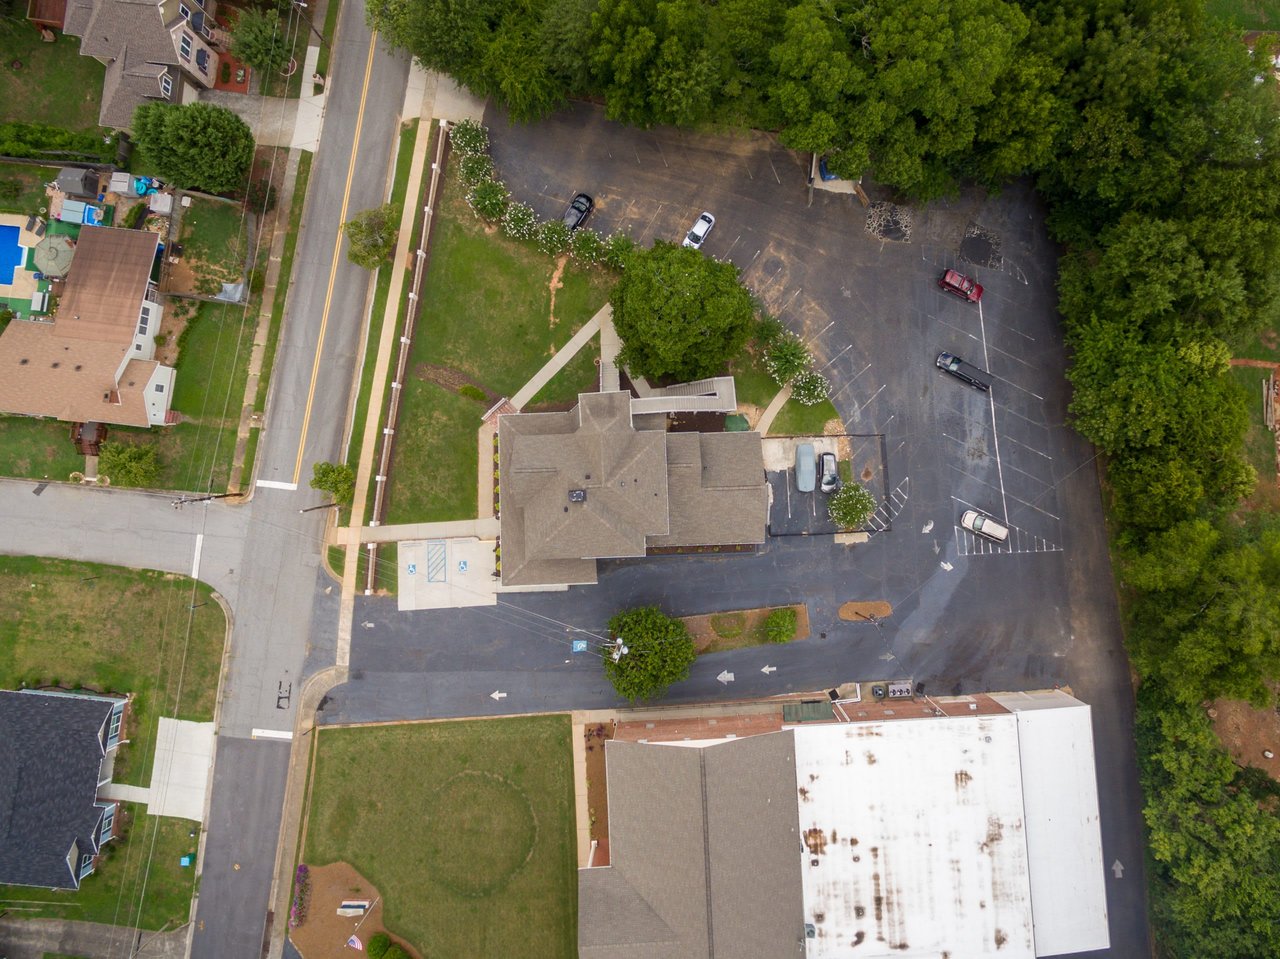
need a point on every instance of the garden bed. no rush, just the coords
(736, 629)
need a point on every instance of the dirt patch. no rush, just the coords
(752, 413)
(866, 612)
(1270, 339)
(1248, 734)
(176, 314)
(452, 380)
(324, 934)
(595, 735)
(555, 284)
(738, 628)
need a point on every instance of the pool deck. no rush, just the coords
(17, 294)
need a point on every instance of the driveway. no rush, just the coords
(858, 285)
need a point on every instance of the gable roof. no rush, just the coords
(106, 284)
(132, 37)
(704, 854)
(51, 751)
(588, 484)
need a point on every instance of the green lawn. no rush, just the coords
(1247, 14)
(113, 630)
(377, 315)
(580, 375)
(466, 828)
(214, 243)
(329, 28)
(31, 180)
(37, 449)
(795, 419)
(487, 317)
(1259, 442)
(55, 85)
(138, 881)
(751, 383)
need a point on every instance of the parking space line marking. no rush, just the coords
(1026, 419)
(995, 431)
(1029, 449)
(1030, 476)
(858, 410)
(793, 299)
(837, 356)
(775, 170)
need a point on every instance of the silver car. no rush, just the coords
(699, 232)
(983, 525)
(806, 468)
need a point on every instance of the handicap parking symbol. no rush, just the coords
(462, 566)
(413, 568)
(579, 645)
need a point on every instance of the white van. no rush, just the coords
(983, 525)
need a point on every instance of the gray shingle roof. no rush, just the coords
(704, 854)
(135, 40)
(588, 484)
(50, 758)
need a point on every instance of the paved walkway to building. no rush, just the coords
(32, 938)
(278, 121)
(772, 410)
(561, 359)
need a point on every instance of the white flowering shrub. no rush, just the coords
(586, 246)
(810, 388)
(520, 222)
(489, 199)
(553, 238)
(787, 358)
(469, 138)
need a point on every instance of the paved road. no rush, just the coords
(966, 616)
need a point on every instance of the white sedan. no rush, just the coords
(699, 232)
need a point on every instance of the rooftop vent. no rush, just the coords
(22, 362)
(577, 496)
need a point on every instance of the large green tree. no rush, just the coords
(658, 652)
(680, 314)
(196, 145)
(372, 234)
(257, 38)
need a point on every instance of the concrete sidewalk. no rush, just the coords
(32, 938)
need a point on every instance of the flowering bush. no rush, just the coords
(586, 245)
(469, 138)
(553, 237)
(787, 358)
(475, 169)
(810, 388)
(520, 222)
(850, 506)
(301, 896)
(489, 199)
(616, 250)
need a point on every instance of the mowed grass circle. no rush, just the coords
(480, 832)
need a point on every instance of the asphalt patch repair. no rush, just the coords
(324, 934)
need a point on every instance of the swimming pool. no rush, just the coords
(12, 255)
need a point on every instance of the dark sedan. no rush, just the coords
(580, 208)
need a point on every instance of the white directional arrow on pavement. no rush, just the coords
(1117, 867)
(768, 669)
(947, 566)
(927, 527)
(726, 677)
(495, 695)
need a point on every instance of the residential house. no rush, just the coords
(956, 826)
(93, 361)
(155, 52)
(53, 747)
(598, 482)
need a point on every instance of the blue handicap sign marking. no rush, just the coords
(579, 645)
(413, 568)
(462, 566)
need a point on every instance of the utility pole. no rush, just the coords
(184, 500)
(311, 509)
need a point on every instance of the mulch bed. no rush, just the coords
(707, 640)
(324, 934)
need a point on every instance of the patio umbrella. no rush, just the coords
(53, 255)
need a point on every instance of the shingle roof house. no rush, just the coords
(154, 51)
(95, 361)
(52, 746)
(588, 484)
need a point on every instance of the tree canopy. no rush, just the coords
(196, 145)
(372, 234)
(257, 38)
(659, 652)
(679, 314)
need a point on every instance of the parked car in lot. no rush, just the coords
(983, 525)
(806, 466)
(579, 209)
(699, 232)
(978, 379)
(965, 287)
(828, 472)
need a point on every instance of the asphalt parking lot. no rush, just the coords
(858, 284)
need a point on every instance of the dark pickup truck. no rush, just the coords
(978, 379)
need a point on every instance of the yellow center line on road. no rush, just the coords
(333, 265)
